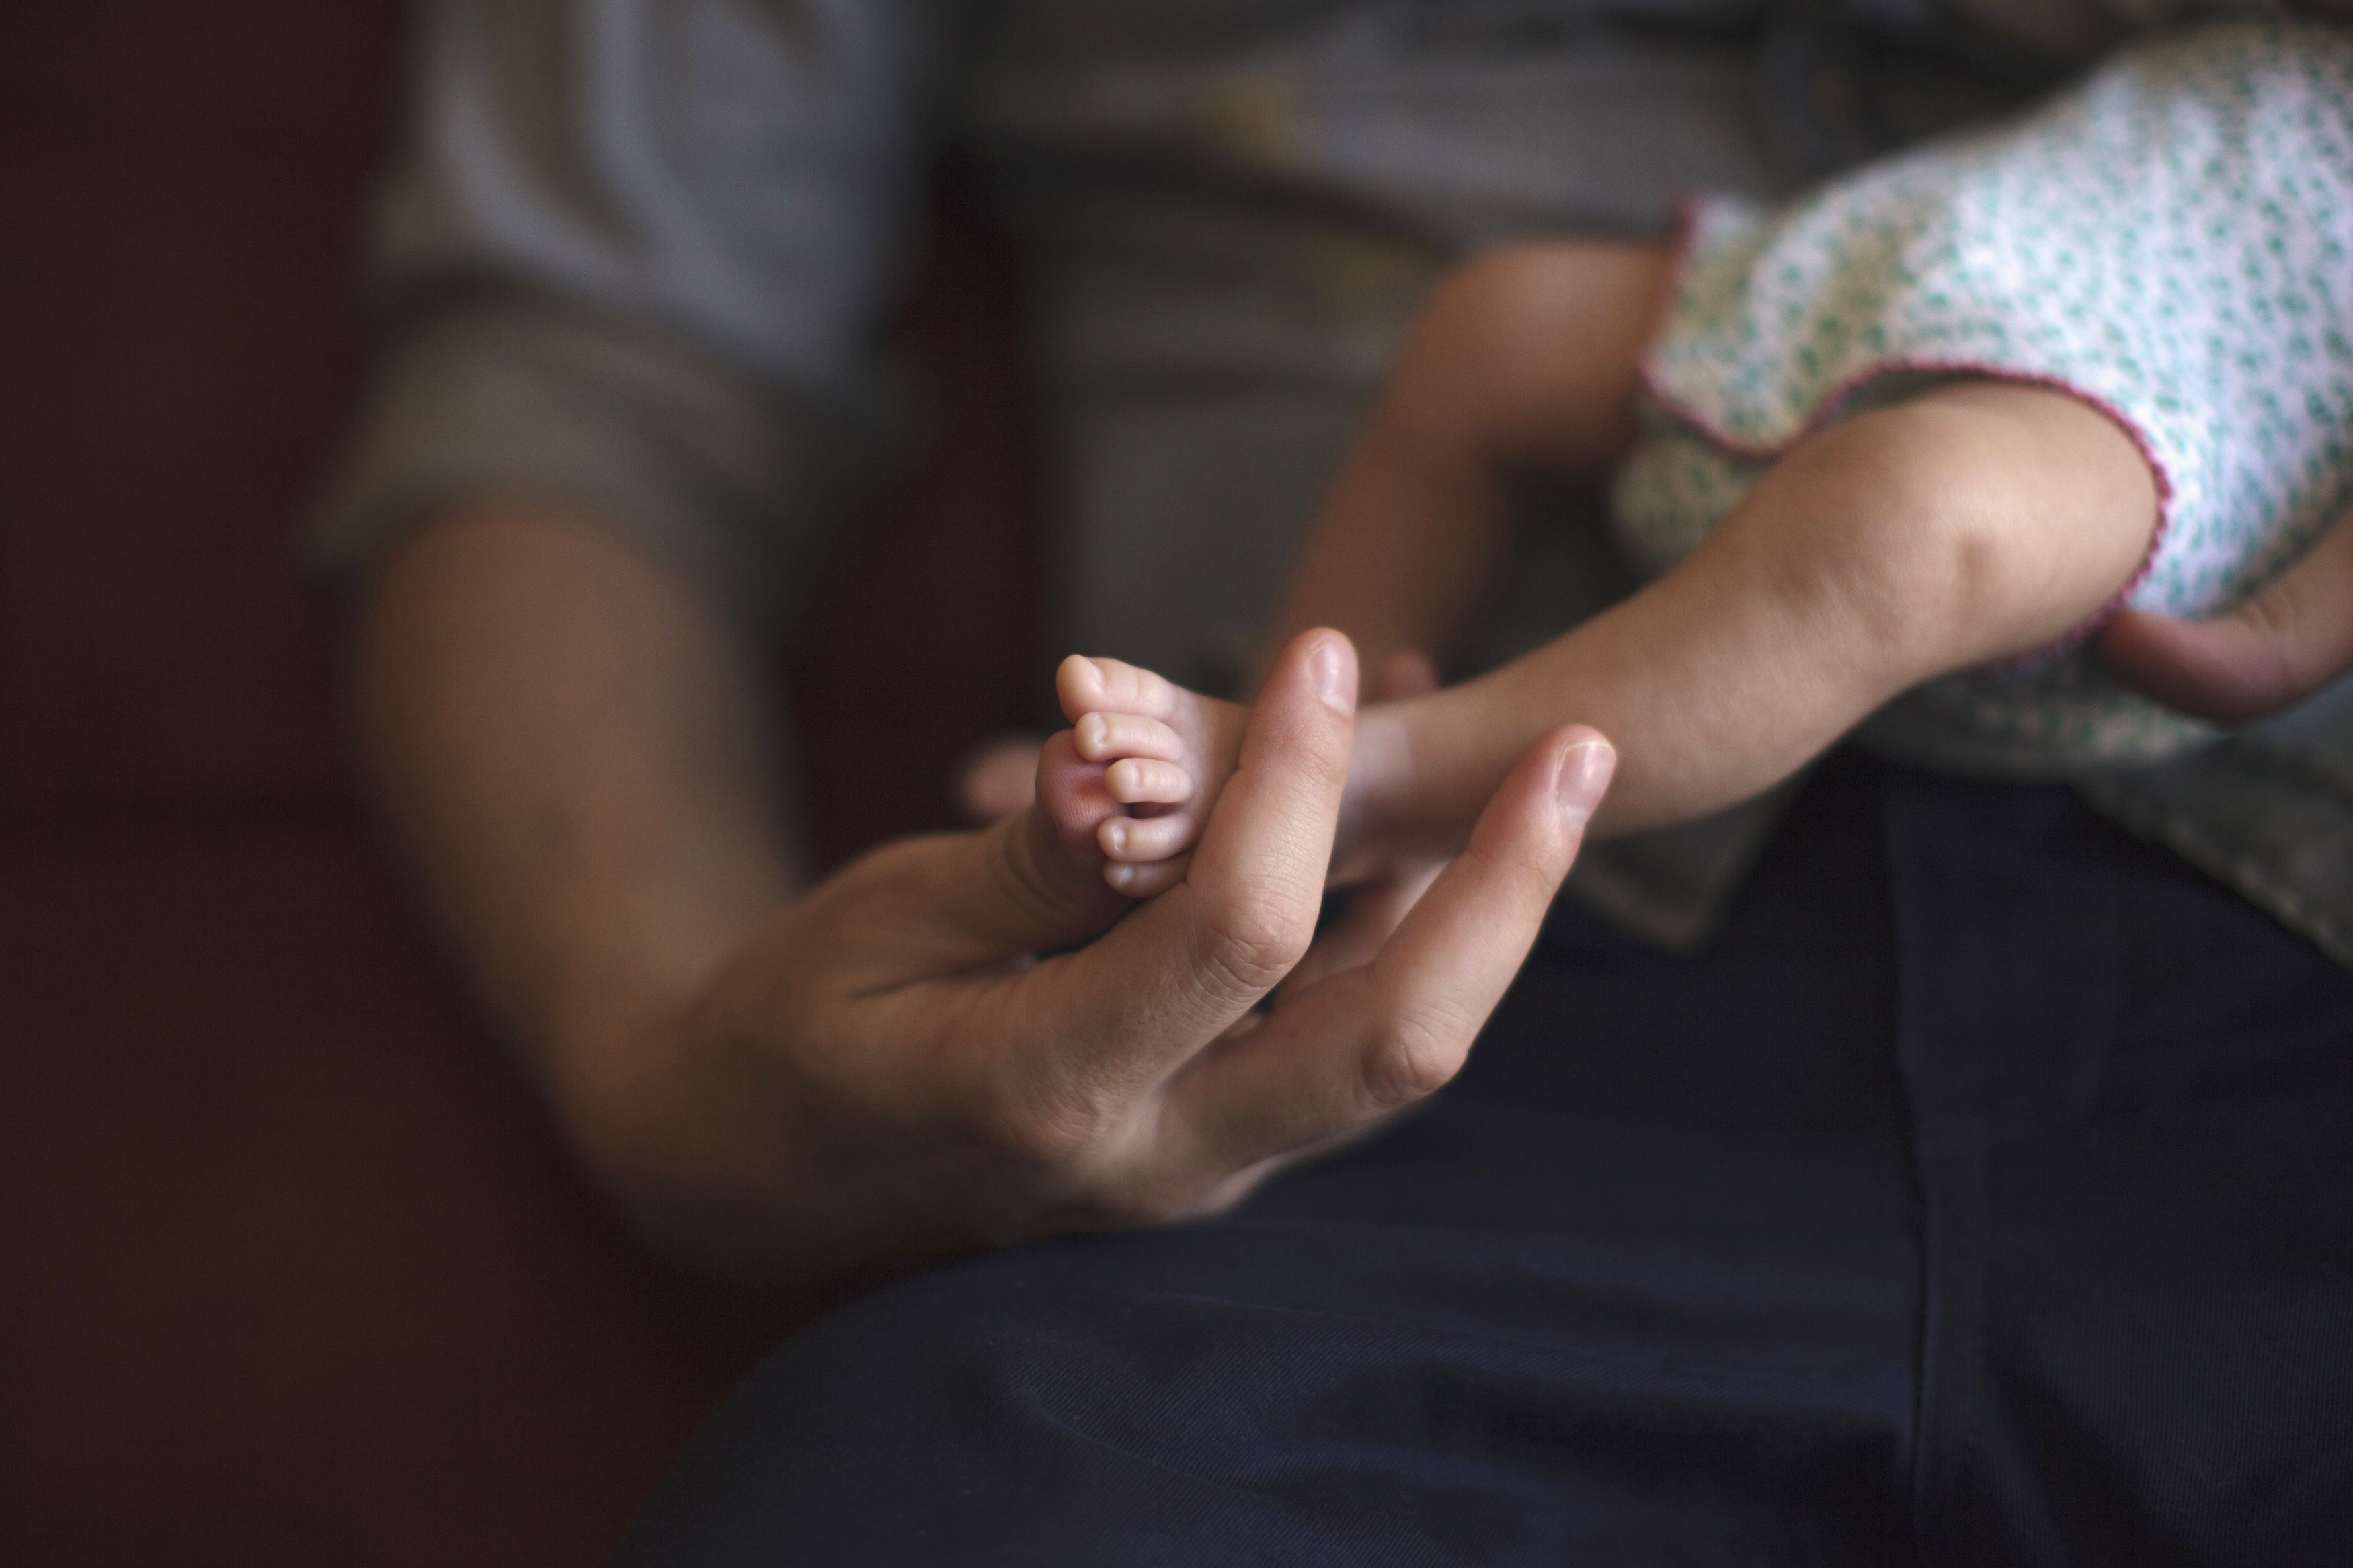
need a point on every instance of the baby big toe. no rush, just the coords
(1106, 737)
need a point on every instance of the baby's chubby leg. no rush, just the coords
(1975, 522)
(1524, 362)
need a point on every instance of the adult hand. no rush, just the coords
(2280, 646)
(895, 1079)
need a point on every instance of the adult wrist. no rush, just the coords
(672, 1120)
(643, 1118)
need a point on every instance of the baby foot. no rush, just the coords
(1164, 751)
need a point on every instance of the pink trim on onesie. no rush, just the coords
(1827, 409)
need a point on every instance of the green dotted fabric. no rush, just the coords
(2172, 239)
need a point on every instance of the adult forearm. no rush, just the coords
(576, 752)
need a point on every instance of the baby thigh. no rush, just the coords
(1987, 517)
(1976, 526)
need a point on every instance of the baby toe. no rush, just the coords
(1106, 737)
(1092, 685)
(1143, 838)
(1137, 780)
(1145, 881)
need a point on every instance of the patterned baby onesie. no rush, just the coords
(2171, 240)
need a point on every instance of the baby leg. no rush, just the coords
(1523, 363)
(1973, 524)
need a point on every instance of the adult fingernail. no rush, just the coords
(1584, 776)
(1335, 676)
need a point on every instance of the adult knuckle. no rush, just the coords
(1252, 945)
(1053, 1130)
(1414, 1055)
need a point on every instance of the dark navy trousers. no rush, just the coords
(1983, 1195)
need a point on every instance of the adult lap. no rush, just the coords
(1983, 1187)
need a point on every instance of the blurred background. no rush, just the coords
(294, 1273)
